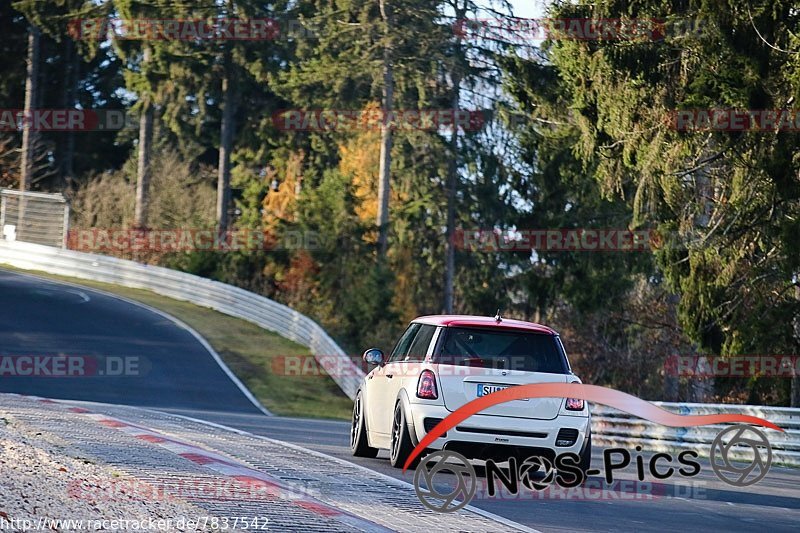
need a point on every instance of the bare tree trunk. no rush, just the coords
(384, 183)
(671, 388)
(452, 180)
(795, 393)
(69, 96)
(672, 382)
(143, 168)
(225, 146)
(28, 133)
(701, 389)
(31, 93)
(452, 183)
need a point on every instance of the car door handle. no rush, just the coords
(390, 376)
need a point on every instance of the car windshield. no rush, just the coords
(506, 349)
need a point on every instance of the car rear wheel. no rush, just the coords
(401, 440)
(358, 431)
(586, 455)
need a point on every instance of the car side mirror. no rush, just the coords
(374, 356)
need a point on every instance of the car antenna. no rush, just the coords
(497, 317)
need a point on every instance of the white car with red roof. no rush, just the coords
(443, 362)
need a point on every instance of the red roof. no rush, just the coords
(482, 322)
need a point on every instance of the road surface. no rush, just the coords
(44, 317)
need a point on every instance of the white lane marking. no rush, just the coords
(52, 292)
(179, 323)
(83, 295)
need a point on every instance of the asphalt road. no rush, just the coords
(123, 353)
(43, 318)
(702, 503)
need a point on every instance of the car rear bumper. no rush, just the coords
(484, 436)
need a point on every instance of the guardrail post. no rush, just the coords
(65, 237)
(2, 214)
(39, 224)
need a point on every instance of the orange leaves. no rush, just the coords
(360, 160)
(279, 203)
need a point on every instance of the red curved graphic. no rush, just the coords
(592, 393)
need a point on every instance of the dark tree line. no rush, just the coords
(573, 136)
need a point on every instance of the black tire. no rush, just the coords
(586, 456)
(402, 445)
(359, 446)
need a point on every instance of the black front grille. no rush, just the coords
(430, 423)
(566, 437)
(530, 434)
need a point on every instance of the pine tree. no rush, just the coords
(726, 201)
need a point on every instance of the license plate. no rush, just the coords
(484, 389)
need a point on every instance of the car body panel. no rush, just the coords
(460, 385)
(482, 321)
(498, 426)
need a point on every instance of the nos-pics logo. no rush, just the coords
(458, 488)
(741, 442)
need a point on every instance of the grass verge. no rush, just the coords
(249, 352)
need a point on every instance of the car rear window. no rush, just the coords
(505, 349)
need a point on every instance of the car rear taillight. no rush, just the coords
(426, 387)
(574, 404)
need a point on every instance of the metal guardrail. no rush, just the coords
(226, 299)
(37, 217)
(610, 427)
(614, 428)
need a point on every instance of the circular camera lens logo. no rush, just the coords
(537, 473)
(746, 444)
(466, 482)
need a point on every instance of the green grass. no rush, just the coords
(252, 353)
